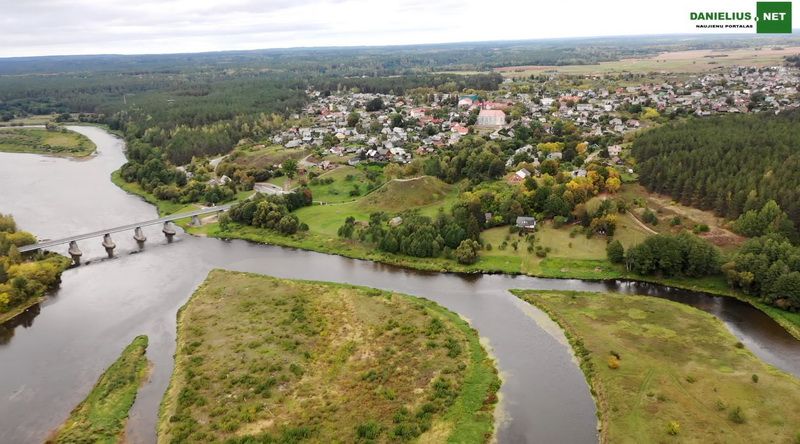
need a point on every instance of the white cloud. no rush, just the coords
(43, 27)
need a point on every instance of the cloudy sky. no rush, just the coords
(48, 27)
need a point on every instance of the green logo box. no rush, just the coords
(774, 17)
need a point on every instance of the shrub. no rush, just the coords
(736, 416)
(673, 428)
(650, 217)
(690, 379)
(675, 221)
(613, 362)
(368, 430)
(754, 378)
(700, 228)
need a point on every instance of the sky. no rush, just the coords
(59, 27)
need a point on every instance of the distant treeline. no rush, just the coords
(388, 60)
(729, 164)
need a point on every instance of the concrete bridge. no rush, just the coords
(168, 230)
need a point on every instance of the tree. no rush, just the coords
(289, 168)
(347, 229)
(353, 118)
(375, 104)
(467, 251)
(615, 252)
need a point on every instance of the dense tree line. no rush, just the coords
(729, 164)
(769, 267)
(23, 279)
(671, 255)
(272, 212)
(422, 236)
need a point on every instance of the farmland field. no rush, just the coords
(678, 62)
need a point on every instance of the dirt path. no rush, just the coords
(642, 224)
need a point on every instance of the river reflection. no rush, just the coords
(50, 361)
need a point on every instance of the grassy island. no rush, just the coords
(261, 359)
(54, 142)
(666, 372)
(102, 416)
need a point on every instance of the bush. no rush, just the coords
(613, 362)
(736, 416)
(650, 217)
(701, 228)
(368, 430)
(754, 378)
(675, 221)
(673, 428)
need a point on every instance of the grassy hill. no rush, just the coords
(662, 371)
(261, 359)
(403, 194)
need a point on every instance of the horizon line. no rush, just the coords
(793, 34)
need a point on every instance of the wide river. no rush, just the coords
(51, 355)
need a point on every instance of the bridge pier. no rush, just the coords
(169, 230)
(139, 237)
(75, 252)
(109, 245)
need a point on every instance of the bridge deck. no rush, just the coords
(160, 220)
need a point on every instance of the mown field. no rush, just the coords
(666, 372)
(426, 194)
(42, 141)
(102, 416)
(261, 359)
(343, 184)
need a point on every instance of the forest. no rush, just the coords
(729, 164)
(745, 169)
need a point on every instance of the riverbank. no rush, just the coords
(311, 359)
(658, 368)
(102, 416)
(554, 268)
(51, 142)
(41, 277)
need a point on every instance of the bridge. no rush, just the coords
(108, 243)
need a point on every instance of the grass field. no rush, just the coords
(569, 251)
(101, 417)
(345, 179)
(426, 194)
(261, 359)
(29, 120)
(667, 209)
(42, 141)
(693, 61)
(260, 156)
(666, 372)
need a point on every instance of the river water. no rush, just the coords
(51, 355)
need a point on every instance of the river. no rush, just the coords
(51, 356)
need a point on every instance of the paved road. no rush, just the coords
(160, 220)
